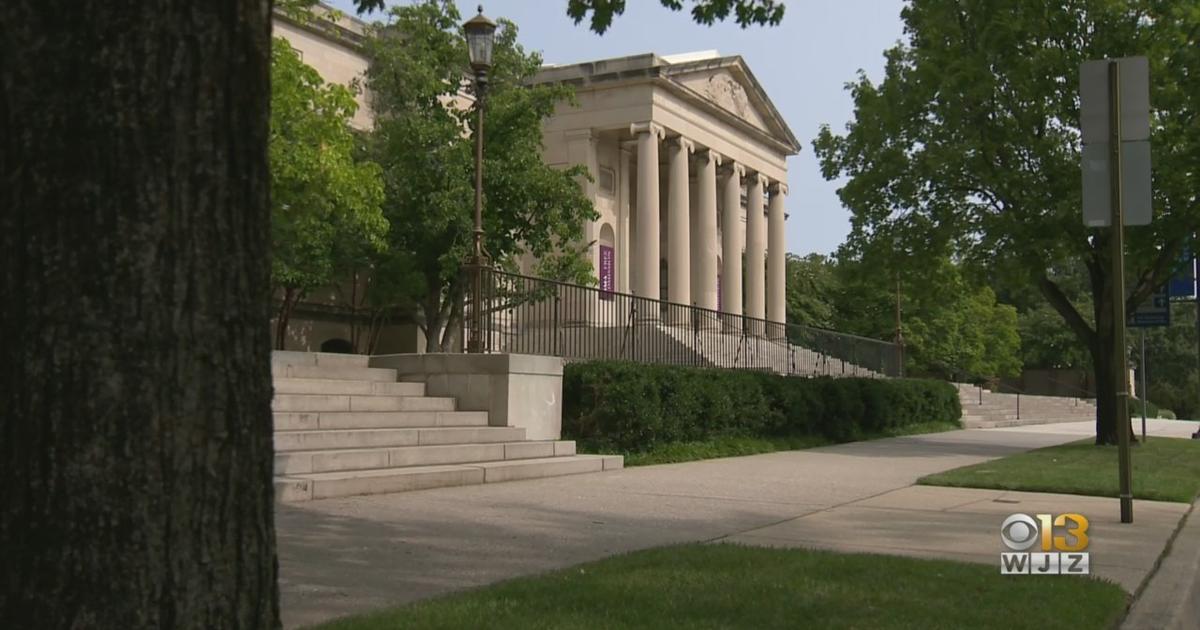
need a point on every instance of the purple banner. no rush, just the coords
(607, 272)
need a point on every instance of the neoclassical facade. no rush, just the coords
(688, 158)
(689, 174)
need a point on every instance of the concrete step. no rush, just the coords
(311, 421)
(288, 441)
(329, 386)
(300, 462)
(341, 372)
(324, 359)
(324, 441)
(1024, 421)
(326, 402)
(303, 487)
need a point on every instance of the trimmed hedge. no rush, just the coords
(633, 407)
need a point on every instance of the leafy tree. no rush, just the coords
(424, 141)
(325, 205)
(971, 143)
(1171, 364)
(952, 328)
(746, 12)
(811, 285)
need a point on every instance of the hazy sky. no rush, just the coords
(802, 64)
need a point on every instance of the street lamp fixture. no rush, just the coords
(481, 35)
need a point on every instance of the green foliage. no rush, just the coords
(746, 12)
(951, 326)
(1171, 370)
(811, 285)
(325, 205)
(635, 407)
(424, 140)
(970, 145)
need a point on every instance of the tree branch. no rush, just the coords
(1059, 301)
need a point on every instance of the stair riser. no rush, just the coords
(567, 466)
(301, 463)
(324, 489)
(402, 479)
(336, 372)
(316, 440)
(343, 387)
(379, 420)
(318, 403)
(323, 359)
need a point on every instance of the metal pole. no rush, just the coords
(1196, 290)
(1120, 364)
(899, 335)
(475, 345)
(1143, 392)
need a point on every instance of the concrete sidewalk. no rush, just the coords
(343, 556)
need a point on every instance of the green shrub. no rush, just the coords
(1166, 414)
(1135, 408)
(634, 407)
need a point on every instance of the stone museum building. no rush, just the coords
(688, 158)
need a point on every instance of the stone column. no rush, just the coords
(624, 244)
(645, 255)
(679, 237)
(732, 240)
(755, 286)
(704, 241)
(776, 260)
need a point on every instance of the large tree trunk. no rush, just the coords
(135, 420)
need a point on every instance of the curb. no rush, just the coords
(1171, 599)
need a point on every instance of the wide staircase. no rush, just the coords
(343, 428)
(984, 409)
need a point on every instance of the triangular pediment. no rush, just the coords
(726, 83)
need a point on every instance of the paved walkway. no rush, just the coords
(343, 556)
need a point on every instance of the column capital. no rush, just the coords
(733, 168)
(755, 177)
(709, 154)
(648, 127)
(778, 188)
(680, 141)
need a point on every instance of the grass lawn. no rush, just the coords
(1164, 469)
(737, 446)
(730, 586)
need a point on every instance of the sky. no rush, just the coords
(803, 64)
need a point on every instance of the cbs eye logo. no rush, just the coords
(1037, 547)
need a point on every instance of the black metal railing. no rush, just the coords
(522, 314)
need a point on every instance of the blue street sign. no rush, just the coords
(1182, 285)
(1155, 311)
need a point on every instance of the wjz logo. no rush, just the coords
(1044, 544)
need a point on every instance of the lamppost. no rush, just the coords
(481, 34)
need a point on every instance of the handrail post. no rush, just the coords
(555, 327)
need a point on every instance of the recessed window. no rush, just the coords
(607, 180)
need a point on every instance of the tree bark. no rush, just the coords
(291, 297)
(135, 397)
